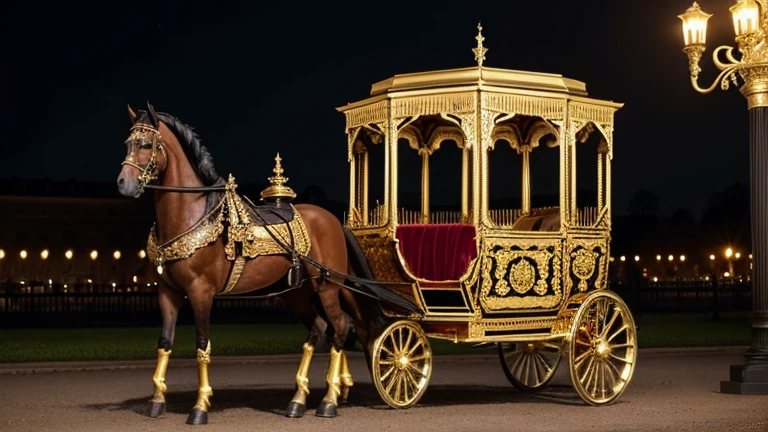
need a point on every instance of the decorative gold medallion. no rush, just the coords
(522, 275)
(583, 266)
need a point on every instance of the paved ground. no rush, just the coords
(672, 390)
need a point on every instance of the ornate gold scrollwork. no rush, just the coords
(509, 273)
(587, 255)
(522, 276)
(583, 266)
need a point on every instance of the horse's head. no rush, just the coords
(145, 159)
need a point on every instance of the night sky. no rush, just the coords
(255, 78)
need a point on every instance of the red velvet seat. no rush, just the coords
(437, 252)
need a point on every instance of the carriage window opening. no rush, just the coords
(524, 175)
(434, 181)
(368, 177)
(591, 154)
(505, 183)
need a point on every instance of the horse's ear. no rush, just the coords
(153, 116)
(131, 113)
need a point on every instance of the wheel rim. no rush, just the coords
(603, 348)
(402, 364)
(530, 366)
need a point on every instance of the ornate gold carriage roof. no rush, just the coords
(475, 107)
(485, 79)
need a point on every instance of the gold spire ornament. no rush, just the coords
(277, 189)
(480, 50)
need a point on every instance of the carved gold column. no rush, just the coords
(351, 219)
(364, 204)
(525, 151)
(390, 168)
(465, 184)
(424, 152)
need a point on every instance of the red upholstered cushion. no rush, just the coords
(437, 252)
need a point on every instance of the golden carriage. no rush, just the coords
(531, 280)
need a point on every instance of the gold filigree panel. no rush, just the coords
(588, 112)
(433, 104)
(477, 329)
(586, 264)
(519, 274)
(552, 109)
(379, 252)
(368, 114)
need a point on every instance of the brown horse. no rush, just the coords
(207, 241)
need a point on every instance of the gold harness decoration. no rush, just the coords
(245, 238)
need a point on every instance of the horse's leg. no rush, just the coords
(329, 297)
(346, 378)
(298, 405)
(201, 305)
(170, 303)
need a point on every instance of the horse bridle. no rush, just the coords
(150, 171)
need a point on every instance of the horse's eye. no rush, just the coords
(146, 146)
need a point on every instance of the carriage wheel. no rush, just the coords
(602, 348)
(529, 366)
(402, 364)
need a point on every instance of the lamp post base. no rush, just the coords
(746, 381)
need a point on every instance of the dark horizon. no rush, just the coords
(257, 78)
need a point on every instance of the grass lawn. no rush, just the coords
(134, 343)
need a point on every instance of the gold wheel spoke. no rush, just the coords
(387, 373)
(529, 370)
(398, 387)
(616, 313)
(578, 360)
(387, 352)
(581, 342)
(551, 347)
(412, 381)
(413, 349)
(588, 371)
(406, 386)
(622, 345)
(408, 343)
(520, 366)
(615, 372)
(391, 381)
(418, 358)
(394, 342)
(545, 363)
(413, 368)
(386, 362)
(617, 332)
(621, 359)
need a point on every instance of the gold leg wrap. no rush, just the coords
(346, 377)
(302, 378)
(159, 378)
(204, 391)
(333, 379)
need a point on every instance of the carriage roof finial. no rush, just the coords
(277, 188)
(480, 50)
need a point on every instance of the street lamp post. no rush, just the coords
(750, 22)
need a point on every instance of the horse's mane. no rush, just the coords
(198, 156)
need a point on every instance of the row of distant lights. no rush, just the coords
(69, 254)
(712, 257)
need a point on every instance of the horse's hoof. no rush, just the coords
(156, 409)
(197, 417)
(326, 409)
(295, 410)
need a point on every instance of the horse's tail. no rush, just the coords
(364, 281)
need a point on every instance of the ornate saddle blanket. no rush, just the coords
(249, 231)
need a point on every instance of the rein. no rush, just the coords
(186, 189)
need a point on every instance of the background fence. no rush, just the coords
(107, 305)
